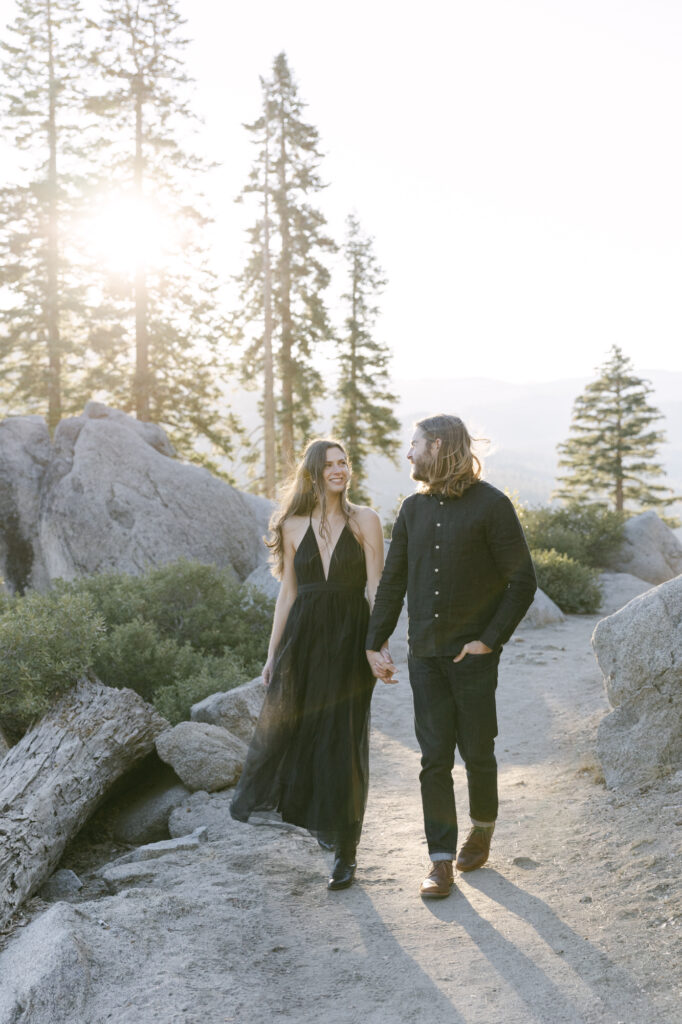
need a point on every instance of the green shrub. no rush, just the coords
(46, 642)
(214, 675)
(586, 533)
(200, 605)
(571, 585)
(174, 635)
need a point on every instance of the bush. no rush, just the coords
(586, 533)
(174, 635)
(214, 675)
(47, 641)
(571, 585)
(200, 605)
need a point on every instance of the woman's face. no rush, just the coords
(335, 473)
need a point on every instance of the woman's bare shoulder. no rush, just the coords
(365, 518)
(293, 529)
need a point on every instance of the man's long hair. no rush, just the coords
(302, 492)
(453, 466)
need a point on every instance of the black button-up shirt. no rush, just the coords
(466, 567)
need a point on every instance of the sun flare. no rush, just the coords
(129, 232)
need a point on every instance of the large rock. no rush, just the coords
(619, 588)
(115, 500)
(236, 710)
(58, 773)
(639, 650)
(204, 756)
(24, 457)
(262, 579)
(542, 612)
(649, 550)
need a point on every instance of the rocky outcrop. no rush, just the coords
(649, 550)
(236, 710)
(114, 500)
(203, 756)
(262, 579)
(24, 458)
(108, 495)
(639, 650)
(54, 778)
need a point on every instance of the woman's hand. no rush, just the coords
(267, 671)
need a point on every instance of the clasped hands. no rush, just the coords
(383, 667)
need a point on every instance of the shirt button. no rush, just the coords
(441, 503)
(437, 524)
(436, 615)
(436, 592)
(437, 547)
(435, 570)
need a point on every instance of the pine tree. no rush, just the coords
(285, 267)
(611, 452)
(365, 420)
(169, 310)
(42, 323)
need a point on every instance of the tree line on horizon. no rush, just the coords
(99, 107)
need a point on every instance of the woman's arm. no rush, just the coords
(285, 599)
(372, 540)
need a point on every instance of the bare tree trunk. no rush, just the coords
(142, 378)
(54, 398)
(270, 448)
(52, 780)
(286, 367)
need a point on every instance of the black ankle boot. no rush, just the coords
(343, 873)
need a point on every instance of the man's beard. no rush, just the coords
(421, 469)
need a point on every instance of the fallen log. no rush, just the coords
(52, 780)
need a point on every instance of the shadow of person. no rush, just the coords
(608, 986)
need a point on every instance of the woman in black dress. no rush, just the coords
(309, 756)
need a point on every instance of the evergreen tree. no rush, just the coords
(169, 309)
(284, 266)
(42, 321)
(611, 452)
(365, 420)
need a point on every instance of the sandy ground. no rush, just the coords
(576, 917)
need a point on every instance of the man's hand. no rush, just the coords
(473, 647)
(381, 664)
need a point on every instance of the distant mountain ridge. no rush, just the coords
(523, 424)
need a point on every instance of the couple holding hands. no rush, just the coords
(458, 551)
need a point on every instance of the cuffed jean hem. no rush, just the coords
(441, 856)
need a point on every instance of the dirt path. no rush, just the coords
(574, 919)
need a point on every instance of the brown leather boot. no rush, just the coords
(439, 880)
(475, 849)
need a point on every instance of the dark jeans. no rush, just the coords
(454, 706)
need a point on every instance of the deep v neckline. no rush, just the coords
(319, 553)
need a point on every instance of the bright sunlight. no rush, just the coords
(129, 232)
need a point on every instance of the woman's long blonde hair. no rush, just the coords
(304, 491)
(454, 467)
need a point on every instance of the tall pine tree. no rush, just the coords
(42, 323)
(365, 419)
(611, 452)
(169, 308)
(283, 315)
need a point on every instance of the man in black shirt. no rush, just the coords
(459, 551)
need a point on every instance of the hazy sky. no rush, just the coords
(519, 163)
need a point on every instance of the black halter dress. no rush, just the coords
(308, 758)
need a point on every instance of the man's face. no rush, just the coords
(420, 455)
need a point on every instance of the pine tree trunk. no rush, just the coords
(286, 367)
(54, 401)
(141, 386)
(270, 450)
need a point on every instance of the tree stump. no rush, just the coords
(54, 778)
